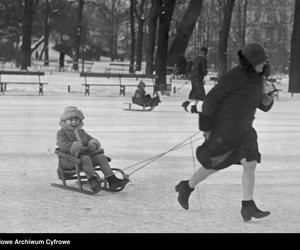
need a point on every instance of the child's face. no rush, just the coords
(73, 121)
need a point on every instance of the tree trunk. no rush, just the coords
(132, 33)
(184, 32)
(26, 34)
(46, 34)
(152, 26)
(167, 9)
(139, 45)
(245, 7)
(78, 35)
(139, 42)
(115, 38)
(223, 38)
(294, 74)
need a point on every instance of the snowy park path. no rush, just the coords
(29, 204)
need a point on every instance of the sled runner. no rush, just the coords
(137, 107)
(81, 180)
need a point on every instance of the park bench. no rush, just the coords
(4, 83)
(117, 67)
(121, 85)
(87, 66)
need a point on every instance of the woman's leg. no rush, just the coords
(248, 179)
(200, 175)
(185, 188)
(249, 209)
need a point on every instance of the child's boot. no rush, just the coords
(184, 192)
(115, 183)
(185, 105)
(194, 109)
(95, 183)
(249, 210)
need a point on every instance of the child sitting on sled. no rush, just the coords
(73, 140)
(141, 98)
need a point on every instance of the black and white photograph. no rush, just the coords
(148, 117)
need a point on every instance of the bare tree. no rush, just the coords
(51, 10)
(223, 37)
(132, 32)
(184, 31)
(294, 74)
(29, 9)
(46, 32)
(152, 27)
(167, 9)
(114, 13)
(78, 35)
(241, 22)
(140, 13)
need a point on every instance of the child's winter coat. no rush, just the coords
(75, 141)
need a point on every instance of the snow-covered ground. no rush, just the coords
(29, 204)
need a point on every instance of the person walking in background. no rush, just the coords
(226, 119)
(62, 61)
(198, 72)
(189, 64)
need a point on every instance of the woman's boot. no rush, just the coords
(249, 210)
(184, 192)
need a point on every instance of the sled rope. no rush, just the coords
(153, 158)
(183, 85)
(159, 155)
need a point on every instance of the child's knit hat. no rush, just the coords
(141, 84)
(71, 112)
(254, 53)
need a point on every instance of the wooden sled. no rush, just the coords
(81, 180)
(140, 108)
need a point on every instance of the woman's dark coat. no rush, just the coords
(228, 112)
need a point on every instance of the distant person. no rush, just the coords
(141, 98)
(181, 66)
(198, 72)
(189, 65)
(62, 61)
(73, 140)
(227, 123)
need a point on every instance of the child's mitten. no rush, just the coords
(76, 148)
